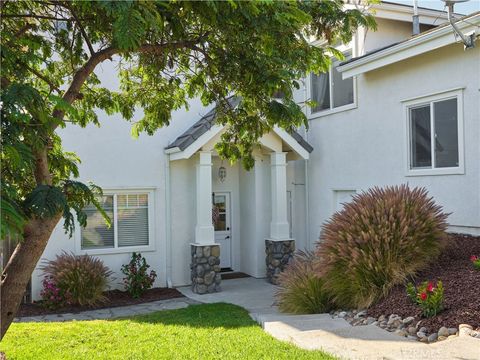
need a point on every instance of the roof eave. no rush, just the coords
(418, 45)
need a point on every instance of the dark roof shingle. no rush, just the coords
(206, 122)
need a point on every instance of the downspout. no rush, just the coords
(307, 189)
(168, 224)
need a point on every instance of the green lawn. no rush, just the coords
(211, 331)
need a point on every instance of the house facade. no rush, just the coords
(400, 109)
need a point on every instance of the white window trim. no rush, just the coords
(317, 114)
(126, 249)
(428, 99)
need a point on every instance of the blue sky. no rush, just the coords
(462, 8)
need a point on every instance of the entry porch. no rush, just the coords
(224, 218)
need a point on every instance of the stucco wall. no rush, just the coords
(364, 147)
(112, 159)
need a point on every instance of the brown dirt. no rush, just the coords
(461, 284)
(115, 298)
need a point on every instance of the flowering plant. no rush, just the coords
(475, 261)
(428, 296)
(53, 297)
(137, 280)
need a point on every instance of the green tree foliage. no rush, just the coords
(166, 53)
(170, 52)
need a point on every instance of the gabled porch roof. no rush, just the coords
(205, 129)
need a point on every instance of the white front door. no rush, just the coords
(223, 233)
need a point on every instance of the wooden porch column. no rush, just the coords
(204, 232)
(279, 228)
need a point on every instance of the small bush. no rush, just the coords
(83, 277)
(475, 261)
(378, 240)
(300, 289)
(427, 296)
(52, 296)
(136, 279)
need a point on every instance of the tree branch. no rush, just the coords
(40, 76)
(82, 29)
(35, 16)
(84, 72)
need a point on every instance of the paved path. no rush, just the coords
(255, 295)
(114, 312)
(335, 336)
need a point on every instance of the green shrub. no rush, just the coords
(475, 261)
(427, 296)
(137, 280)
(83, 277)
(300, 289)
(378, 240)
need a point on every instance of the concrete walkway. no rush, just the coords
(255, 295)
(335, 336)
(114, 312)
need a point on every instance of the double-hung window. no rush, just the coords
(329, 91)
(435, 135)
(131, 222)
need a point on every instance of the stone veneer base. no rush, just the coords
(278, 255)
(205, 268)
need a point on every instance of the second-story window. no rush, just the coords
(329, 90)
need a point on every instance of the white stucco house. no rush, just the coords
(402, 109)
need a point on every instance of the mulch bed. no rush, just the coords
(461, 284)
(115, 298)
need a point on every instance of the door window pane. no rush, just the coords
(421, 154)
(320, 91)
(446, 133)
(96, 235)
(342, 89)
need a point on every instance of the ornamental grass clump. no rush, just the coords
(301, 289)
(84, 278)
(375, 242)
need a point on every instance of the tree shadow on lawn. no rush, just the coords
(200, 316)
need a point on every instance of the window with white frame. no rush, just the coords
(329, 90)
(434, 129)
(129, 213)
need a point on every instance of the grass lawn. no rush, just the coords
(210, 331)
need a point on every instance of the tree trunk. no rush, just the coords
(19, 269)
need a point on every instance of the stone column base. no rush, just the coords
(279, 253)
(205, 268)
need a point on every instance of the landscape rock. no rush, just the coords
(432, 337)
(452, 331)
(342, 314)
(443, 331)
(464, 329)
(441, 338)
(421, 335)
(412, 330)
(408, 320)
(401, 333)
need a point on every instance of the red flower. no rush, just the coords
(423, 296)
(430, 287)
(473, 258)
